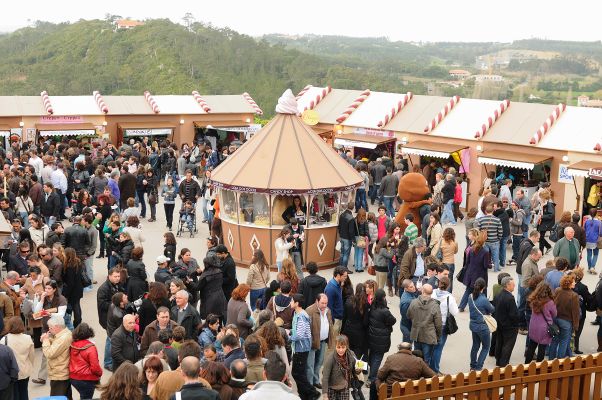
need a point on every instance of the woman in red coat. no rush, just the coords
(84, 368)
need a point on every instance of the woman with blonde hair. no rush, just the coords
(449, 248)
(290, 273)
(258, 277)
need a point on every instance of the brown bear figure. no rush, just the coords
(413, 189)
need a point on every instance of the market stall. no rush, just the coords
(285, 163)
(78, 131)
(587, 173)
(155, 130)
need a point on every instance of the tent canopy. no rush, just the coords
(512, 159)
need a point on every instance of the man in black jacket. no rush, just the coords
(77, 237)
(346, 234)
(127, 187)
(51, 204)
(506, 315)
(312, 285)
(228, 267)
(523, 252)
(124, 342)
(103, 301)
(186, 315)
(193, 389)
(189, 188)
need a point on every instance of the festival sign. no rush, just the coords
(595, 173)
(61, 119)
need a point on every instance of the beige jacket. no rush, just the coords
(436, 233)
(256, 279)
(56, 350)
(22, 347)
(448, 250)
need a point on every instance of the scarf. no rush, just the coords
(343, 363)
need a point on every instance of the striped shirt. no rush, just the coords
(492, 225)
(411, 232)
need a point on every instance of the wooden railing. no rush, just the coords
(577, 378)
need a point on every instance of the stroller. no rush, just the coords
(187, 220)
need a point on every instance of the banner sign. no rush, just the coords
(374, 132)
(563, 174)
(148, 132)
(595, 173)
(61, 119)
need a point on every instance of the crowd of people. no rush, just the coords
(193, 330)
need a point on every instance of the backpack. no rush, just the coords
(554, 233)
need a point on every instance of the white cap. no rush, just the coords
(162, 259)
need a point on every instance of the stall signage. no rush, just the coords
(61, 119)
(75, 132)
(374, 132)
(148, 132)
(563, 174)
(249, 131)
(595, 173)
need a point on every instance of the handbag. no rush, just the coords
(451, 326)
(337, 246)
(460, 276)
(489, 320)
(356, 389)
(86, 281)
(553, 328)
(371, 270)
(360, 241)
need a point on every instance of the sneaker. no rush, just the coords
(511, 262)
(88, 289)
(547, 251)
(39, 381)
(523, 331)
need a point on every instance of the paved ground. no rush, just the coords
(456, 354)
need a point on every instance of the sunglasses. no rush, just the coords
(24, 251)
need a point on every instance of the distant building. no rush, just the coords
(127, 23)
(488, 78)
(459, 74)
(582, 101)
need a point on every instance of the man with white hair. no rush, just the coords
(124, 342)
(186, 315)
(568, 247)
(55, 346)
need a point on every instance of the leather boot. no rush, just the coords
(390, 291)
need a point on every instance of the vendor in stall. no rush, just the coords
(297, 210)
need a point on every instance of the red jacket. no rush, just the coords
(83, 361)
(458, 194)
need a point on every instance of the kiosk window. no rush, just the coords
(287, 207)
(254, 209)
(228, 205)
(323, 209)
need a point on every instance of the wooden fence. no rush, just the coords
(577, 378)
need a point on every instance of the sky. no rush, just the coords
(417, 21)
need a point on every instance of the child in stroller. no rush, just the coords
(187, 216)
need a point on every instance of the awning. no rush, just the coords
(364, 141)
(582, 168)
(511, 159)
(430, 149)
(85, 129)
(4, 130)
(155, 128)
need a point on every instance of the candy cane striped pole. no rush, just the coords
(503, 106)
(303, 91)
(442, 114)
(400, 104)
(545, 127)
(353, 106)
(250, 100)
(46, 101)
(100, 102)
(201, 101)
(319, 97)
(152, 102)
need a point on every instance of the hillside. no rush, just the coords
(168, 58)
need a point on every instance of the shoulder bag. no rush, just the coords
(553, 328)
(451, 326)
(489, 320)
(360, 241)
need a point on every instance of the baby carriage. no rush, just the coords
(187, 220)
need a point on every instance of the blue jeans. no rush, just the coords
(375, 360)
(503, 245)
(592, 258)
(279, 263)
(560, 346)
(427, 352)
(452, 270)
(23, 215)
(374, 194)
(108, 360)
(255, 294)
(516, 239)
(388, 201)
(85, 388)
(360, 200)
(405, 332)
(142, 203)
(296, 256)
(204, 208)
(345, 251)
(480, 339)
(448, 213)
(522, 304)
(315, 359)
(358, 259)
(494, 253)
(437, 352)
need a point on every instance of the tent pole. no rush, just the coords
(577, 196)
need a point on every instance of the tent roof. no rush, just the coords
(577, 129)
(337, 101)
(417, 114)
(286, 155)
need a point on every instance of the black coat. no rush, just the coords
(380, 326)
(162, 275)
(448, 191)
(124, 347)
(147, 312)
(213, 300)
(229, 282)
(77, 237)
(137, 284)
(19, 264)
(504, 219)
(127, 186)
(73, 289)
(170, 252)
(114, 318)
(196, 391)
(548, 217)
(310, 287)
(346, 226)
(124, 251)
(523, 252)
(103, 300)
(50, 207)
(506, 312)
(191, 321)
(355, 326)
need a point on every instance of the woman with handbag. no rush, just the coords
(449, 310)
(361, 240)
(435, 236)
(476, 264)
(545, 219)
(480, 308)
(258, 277)
(593, 235)
(543, 315)
(567, 305)
(339, 375)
